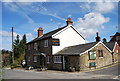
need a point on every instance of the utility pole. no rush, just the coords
(12, 47)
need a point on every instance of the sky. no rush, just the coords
(26, 17)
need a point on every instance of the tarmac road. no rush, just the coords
(109, 72)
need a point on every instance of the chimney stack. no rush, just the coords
(69, 21)
(40, 32)
(97, 38)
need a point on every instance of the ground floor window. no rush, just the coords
(28, 58)
(92, 64)
(34, 58)
(48, 59)
(116, 51)
(57, 59)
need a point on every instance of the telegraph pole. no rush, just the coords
(12, 47)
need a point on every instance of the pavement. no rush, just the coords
(108, 72)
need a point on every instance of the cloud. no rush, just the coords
(56, 16)
(35, 30)
(91, 23)
(18, 8)
(104, 7)
(29, 35)
(69, 15)
(8, 34)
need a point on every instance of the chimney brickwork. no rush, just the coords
(69, 21)
(40, 32)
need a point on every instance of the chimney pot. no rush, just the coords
(69, 21)
(97, 38)
(40, 32)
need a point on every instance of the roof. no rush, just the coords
(110, 45)
(114, 37)
(77, 49)
(49, 34)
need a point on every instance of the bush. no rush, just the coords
(14, 65)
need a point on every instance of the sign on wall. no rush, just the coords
(55, 42)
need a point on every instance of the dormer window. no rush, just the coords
(45, 43)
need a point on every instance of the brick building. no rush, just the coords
(41, 51)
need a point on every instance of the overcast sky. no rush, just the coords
(88, 18)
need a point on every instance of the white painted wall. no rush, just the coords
(68, 37)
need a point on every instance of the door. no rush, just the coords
(42, 60)
(66, 62)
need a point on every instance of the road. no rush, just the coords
(110, 72)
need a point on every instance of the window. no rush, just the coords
(57, 59)
(28, 58)
(28, 46)
(35, 46)
(34, 58)
(48, 59)
(92, 64)
(92, 55)
(100, 53)
(45, 43)
(116, 51)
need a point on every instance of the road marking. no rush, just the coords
(117, 77)
(102, 68)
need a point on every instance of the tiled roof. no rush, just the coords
(110, 45)
(49, 34)
(76, 50)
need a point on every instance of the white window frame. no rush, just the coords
(35, 46)
(35, 58)
(92, 52)
(46, 43)
(48, 59)
(57, 59)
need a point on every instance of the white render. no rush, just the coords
(68, 37)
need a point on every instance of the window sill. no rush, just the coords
(48, 62)
(100, 57)
(57, 62)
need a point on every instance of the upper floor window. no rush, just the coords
(100, 53)
(28, 46)
(35, 46)
(92, 55)
(45, 43)
(57, 59)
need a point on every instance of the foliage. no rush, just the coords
(104, 40)
(19, 48)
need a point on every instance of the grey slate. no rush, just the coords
(110, 45)
(49, 34)
(76, 50)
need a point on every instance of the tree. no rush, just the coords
(19, 48)
(104, 40)
(16, 47)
